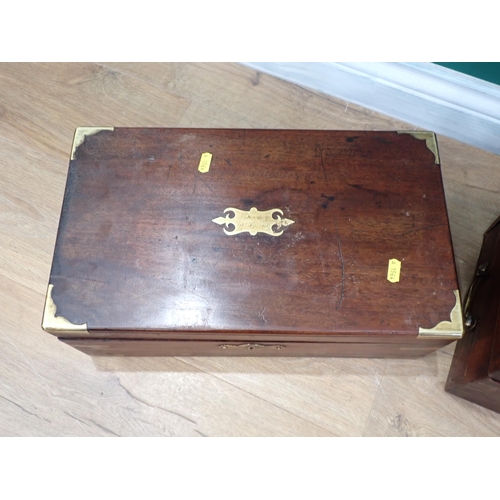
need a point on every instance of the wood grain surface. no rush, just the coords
(50, 389)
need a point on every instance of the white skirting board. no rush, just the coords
(426, 95)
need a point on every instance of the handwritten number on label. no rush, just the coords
(394, 270)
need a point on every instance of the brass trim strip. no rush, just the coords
(81, 133)
(428, 137)
(453, 329)
(58, 324)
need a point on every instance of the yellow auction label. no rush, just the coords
(205, 160)
(394, 270)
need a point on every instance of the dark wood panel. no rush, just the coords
(226, 336)
(475, 369)
(493, 299)
(484, 392)
(119, 347)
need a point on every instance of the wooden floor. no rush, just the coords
(49, 389)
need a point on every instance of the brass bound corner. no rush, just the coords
(430, 141)
(58, 324)
(81, 133)
(453, 329)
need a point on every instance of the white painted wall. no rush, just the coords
(424, 94)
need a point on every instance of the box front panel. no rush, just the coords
(120, 347)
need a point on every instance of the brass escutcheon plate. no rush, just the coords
(254, 221)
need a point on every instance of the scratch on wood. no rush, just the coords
(206, 184)
(343, 264)
(421, 229)
(323, 166)
(261, 314)
(79, 278)
(200, 433)
(169, 169)
(154, 407)
(320, 254)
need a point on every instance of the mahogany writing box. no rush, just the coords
(253, 242)
(475, 368)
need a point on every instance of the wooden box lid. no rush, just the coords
(283, 234)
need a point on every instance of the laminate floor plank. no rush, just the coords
(231, 95)
(471, 180)
(31, 189)
(47, 388)
(46, 102)
(411, 402)
(335, 394)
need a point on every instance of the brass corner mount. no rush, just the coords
(429, 138)
(81, 133)
(449, 330)
(58, 324)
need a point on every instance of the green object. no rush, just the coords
(489, 71)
